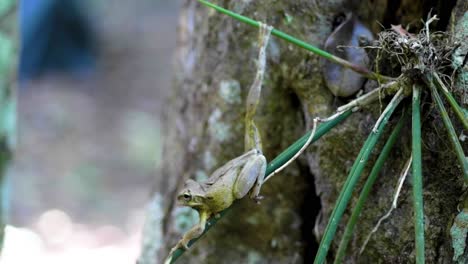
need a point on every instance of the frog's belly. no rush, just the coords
(222, 197)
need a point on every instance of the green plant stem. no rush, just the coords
(366, 190)
(359, 69)
(417, 176)
(353, 178)
(383, 91)
(451, 131)
(272, 166)
(456, 108)
(287, 154)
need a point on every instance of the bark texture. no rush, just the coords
(8, 61)
(215, 67)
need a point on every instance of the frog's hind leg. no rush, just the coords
(251, 175)
(229, 165)
(253, 140)
(252, 137)
(255, 194)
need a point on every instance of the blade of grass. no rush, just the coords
(417, 176)
(361, 70)
(282, 158)
(456, 108)
(451, 131)
(367, 188)
(353, 178)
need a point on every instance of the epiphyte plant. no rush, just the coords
(424, 59)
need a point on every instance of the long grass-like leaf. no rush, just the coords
(417, 176)
(451, 131)
(282, 158)
(366, 190)
(353, 178)
(456, 108)
(361, 70)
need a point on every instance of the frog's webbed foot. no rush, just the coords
(193, 233)
(182, 244)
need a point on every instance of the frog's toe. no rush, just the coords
(258, 199)
(184, 245)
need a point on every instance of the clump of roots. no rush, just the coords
(422, 52)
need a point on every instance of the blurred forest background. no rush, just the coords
(89, 141)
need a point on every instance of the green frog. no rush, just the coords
(237, 177)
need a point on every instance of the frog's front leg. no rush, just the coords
(195, 232)
(251, 178)
(260, 163)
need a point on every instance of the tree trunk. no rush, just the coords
(8, 64)
(215, 65)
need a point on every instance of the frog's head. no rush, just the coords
(192, 194)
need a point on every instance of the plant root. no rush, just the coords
(398, 188)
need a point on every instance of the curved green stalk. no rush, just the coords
(272, 166)
(361, 70)
(451, 131)
(456, 108)
(353, 178)
(287, 154)
(417, 176)
(366, 190)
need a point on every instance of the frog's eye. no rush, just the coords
(187, 196)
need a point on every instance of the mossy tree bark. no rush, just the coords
(215, 67)
(8, 59)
